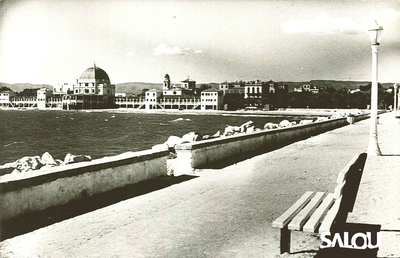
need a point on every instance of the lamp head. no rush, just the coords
(375, 34)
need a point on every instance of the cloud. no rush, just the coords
(130, 54)
(382, 17)
(163, 49)
(322, 24)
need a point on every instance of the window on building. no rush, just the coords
(86, 84)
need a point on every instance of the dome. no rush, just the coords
(94, 73)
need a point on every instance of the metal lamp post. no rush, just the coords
(373, 147)
(395, 86)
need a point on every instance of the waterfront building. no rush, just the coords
(256, 89)
(43, 95)
(92, 91)
(306, 87)
(188, 84)
(211, 99)
(225, 86)
(187, 89)
(63, 89)
(283, 88)
(272, 86)
(238, 90)
(151, 98)
(6, 97)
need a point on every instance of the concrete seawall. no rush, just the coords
(200, 154)
(26, 193)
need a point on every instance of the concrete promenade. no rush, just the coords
(378, 197)
(217, 212)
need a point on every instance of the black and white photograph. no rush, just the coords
(205, 128)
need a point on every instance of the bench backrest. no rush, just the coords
(348, 182)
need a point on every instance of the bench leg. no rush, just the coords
(285, 240)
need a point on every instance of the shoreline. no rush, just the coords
(281, 112)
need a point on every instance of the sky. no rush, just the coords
(51, 42)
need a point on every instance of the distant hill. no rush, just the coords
(337, 85)
(17, 87)
(137, 87)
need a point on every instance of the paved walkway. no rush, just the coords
(219, 213)
(378, 198)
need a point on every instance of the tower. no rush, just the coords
(167, 82)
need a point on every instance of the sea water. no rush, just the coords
(105, 133)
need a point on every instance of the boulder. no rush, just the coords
(15, 171)
(69, 158)
(173, 140)
(270, 126)
(250, 129)
(306, 122)
(26, 164)
(243, 127)
(47, 159)
(231, 130)
(217, 134)
(285, 123)
(191, 137)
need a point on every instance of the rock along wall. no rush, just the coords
(199, 154)
(24, 193)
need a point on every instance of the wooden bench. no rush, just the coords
(319, 212)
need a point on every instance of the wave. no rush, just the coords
(180, 119)
(5, 146)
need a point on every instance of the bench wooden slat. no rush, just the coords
(284, 219)
(300, 219)
(343, 174)
(330, 216)
(339, 190)
(319, 214)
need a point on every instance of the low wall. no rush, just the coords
(24, 193)
(201, 154)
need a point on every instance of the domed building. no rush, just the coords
(93, 90)
(94, 81)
